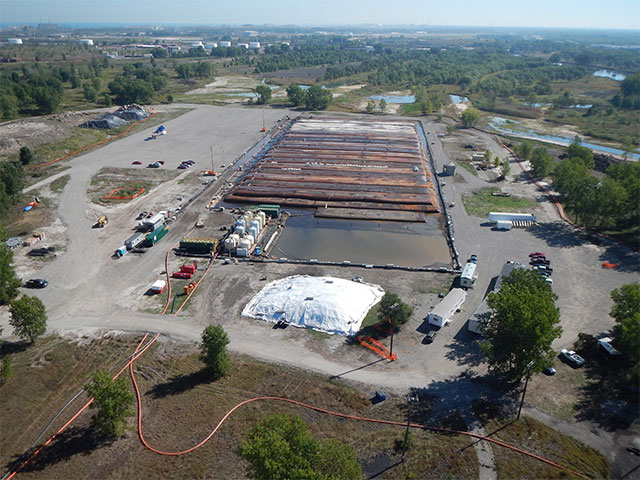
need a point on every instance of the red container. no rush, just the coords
(188, 269)
(182, 275)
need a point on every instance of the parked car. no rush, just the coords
(136, 162)
(430, 336)
(161, 162)
(36, 283)
(540, 261)
(153, 165)
(473, 258)
(142, 215)
(572, 358)
(536, 254)
(182, 166)
(549, 371)
(190, 162)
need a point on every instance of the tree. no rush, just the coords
(524, 150)
(28, 317)
(296, 95)
(113, 400)
(522, 325)
(383, 105)
(281, 447)
(391, 308)
(506, 167)
(371, 106)
(183, 70)
(470, 117)
(12, 176)
(9, 283)
(213, 350)
(203, 69)
(90, 93)
(318, 98)
(26, 155)
(8, 106)
(264, 94)
(541, 163)
(626, 312)
(488, 156)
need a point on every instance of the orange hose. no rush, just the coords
(86, 404)
(328, 412)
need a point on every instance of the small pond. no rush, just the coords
(394, 98)
(610, 74)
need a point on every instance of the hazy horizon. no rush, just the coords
(586, 14)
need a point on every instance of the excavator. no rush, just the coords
(102, 222)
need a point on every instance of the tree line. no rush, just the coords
(609, 202)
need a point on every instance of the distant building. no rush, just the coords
(210, 45)
(254, 44)
(225, 44)
(173, 49)
(243, 45)
(14, 41)
(86, 41)
(197, 45)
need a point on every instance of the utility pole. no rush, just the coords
(526, 382)
(394, 308)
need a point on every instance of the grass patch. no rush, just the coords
(19, 223)
(482, 202)
(129, 180)
(181, 404)
(59, 183)
(442, 283)
(468, 166)
(372, 317)
(536, 437)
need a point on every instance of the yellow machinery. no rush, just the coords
(102, 222)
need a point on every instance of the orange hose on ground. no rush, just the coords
(106, 140)
(86, 404)
(329, 412)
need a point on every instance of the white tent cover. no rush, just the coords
(327, 304)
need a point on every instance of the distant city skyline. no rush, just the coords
(613, 14)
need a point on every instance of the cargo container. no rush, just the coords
(154, 222)
(154, 237)
(158, 286)
(182, 275)
(188, 269)
(272, 211)
(134, 240)
(199, 246)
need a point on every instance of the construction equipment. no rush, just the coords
(190, 287)
(102, 222)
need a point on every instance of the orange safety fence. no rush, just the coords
(110, 196)
(88, 147)
(377, 347)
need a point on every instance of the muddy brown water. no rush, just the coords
(409, 244)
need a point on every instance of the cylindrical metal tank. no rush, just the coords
(230, 244)
(252, 231)
(241, 223)
(263, 216)
(249, 214)
(245, 243)
(250, 237)
(256, 223)
(240, 230)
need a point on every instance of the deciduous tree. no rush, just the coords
(9, 283)
(113, 400)
(264, 94)
(522, 326)
(28, 317)
(470, 117)
(391, 308)
(213, 350)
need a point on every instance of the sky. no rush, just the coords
(605, 14)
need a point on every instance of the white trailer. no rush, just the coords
(441, 315)
(504, 225)
(134, 240)
(154, 222)
(512, 217)
(468, 276)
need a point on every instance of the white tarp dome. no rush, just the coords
(326, 304)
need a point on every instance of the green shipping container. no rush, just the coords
(154, 237)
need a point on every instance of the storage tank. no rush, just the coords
(252, 231)
(230, 244)
(263, 218)
(245, 243)
(246, 219)
(250, 237)
(241, 252)
(242, 222)
(256, 224)
(240, 230)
